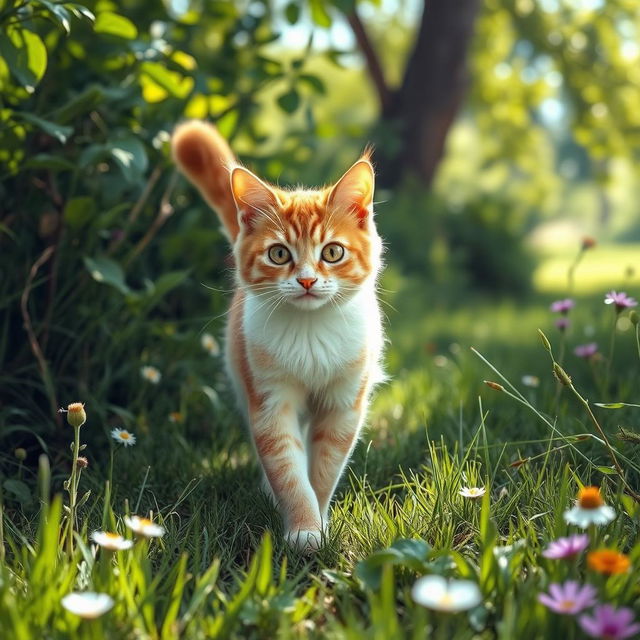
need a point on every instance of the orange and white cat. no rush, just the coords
(304, 338)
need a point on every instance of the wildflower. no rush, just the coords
(608, 561)
(621, 300)
(531, 381)
(88, 604)
(20, 454)
(111, 541)
(437, 593)
(76, 415)
(562, 324)
(567, 547)
(609, 623)
(589, 509)
(151, 374)
(123, 436)
(588, 243)
(175, 416)
(144, 527)
(82, 462)
(562, 306)
(586, 351)
(568, 598)
(472, 492)
(210, 344)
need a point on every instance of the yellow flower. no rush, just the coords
(76, 415)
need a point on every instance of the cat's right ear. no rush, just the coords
(253, 197)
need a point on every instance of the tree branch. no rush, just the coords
(373, 62)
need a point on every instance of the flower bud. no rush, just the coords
(20, 453)
(82, 462)
(634, 317)
(76, 415)
(545, 341)
(588, 243)
(494, 385)
(562, 376)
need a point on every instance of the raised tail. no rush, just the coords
(204, 156)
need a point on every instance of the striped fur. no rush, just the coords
(304, 338)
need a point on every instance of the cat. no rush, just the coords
(304, 337)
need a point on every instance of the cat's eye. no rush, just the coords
(333, 252)
(279, 254)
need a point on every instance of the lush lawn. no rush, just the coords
(434, 428)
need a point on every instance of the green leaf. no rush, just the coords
(79, 211)
(114, 24)
(80, 11)
(610, 471)
(163, 285)
(319, 13)
(292, 12)
(19, 489)
(130, 155)
(107, 271)
(172, 82)
(49, 161)
(615, 405)
(80, 104)
(289, 101)
(313, 82)
(59, 13)
(59, 131)
(25, 55)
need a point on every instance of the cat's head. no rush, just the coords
(308, 248)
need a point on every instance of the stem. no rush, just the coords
(638, 338)
(606, 443)
(72, 488)
(612, 346)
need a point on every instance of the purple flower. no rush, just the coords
(567, 547)
(562, 306)
(562, 323)
(568, 598)
(586, 350)
(609, 623)
(621, 300)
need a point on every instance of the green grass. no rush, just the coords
(222, 570)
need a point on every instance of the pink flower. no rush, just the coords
(562, 323)
(621, 300)
(586, 350)
(568, 598)
(562, 306)
(609, 623)
(567, 547)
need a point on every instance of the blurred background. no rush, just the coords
(505, 133)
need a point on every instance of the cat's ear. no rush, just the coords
(354, 191)
(253, 197)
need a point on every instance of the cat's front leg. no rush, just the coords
(333, 436)
(277, 438)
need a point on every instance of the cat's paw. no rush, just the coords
(304, 540)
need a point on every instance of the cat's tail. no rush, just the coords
(204, 156)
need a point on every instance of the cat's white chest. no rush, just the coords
(312, 347)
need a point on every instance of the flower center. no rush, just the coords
(145, 522)
(124, 435)
(446, 600)
(590, 498)
(112, 536)
(567, 605)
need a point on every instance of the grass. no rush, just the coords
(221, 569)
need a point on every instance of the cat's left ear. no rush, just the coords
(354, 191)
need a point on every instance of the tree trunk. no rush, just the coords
(423, 108)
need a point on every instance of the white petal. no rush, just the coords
(429, 590)
(88, 604)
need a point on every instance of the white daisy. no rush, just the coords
(531, 381)
(144, 527)
(210, 344)
(589, 509)
(123, 436)
(437, 593)
(87, 604)
(472, 492)
(151, 374)
(111, 541)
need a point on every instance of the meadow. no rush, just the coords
(218, 568)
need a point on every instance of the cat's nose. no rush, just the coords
(307, 283)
